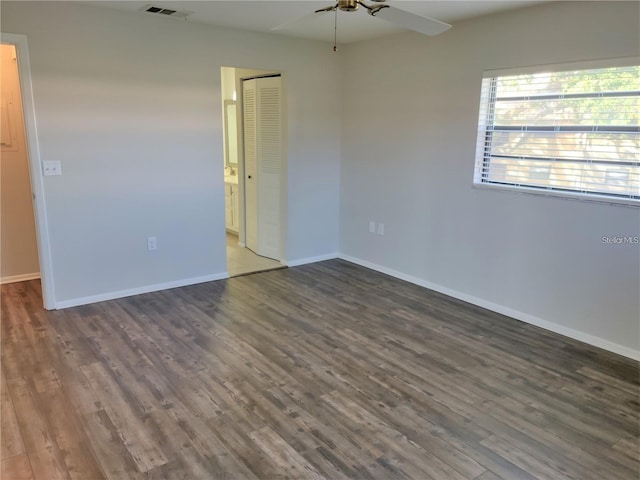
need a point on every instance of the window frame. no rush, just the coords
(485, 112)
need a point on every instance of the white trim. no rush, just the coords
(35, 172)
(19, 278)
(563, 67)
(524, 317)
(304, 261)
(74, 302)
(559, 194)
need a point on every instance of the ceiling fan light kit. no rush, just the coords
(352, 6)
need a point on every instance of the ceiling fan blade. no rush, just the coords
(293, 23)
(412, 21)
(327, 9)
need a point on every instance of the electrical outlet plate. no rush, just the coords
(51, 168)
(372, 227)
(152, 243)
(381, 229)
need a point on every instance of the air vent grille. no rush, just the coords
(166, 11)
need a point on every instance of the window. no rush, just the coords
(562, 132)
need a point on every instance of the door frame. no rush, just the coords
(35, 172)
(246, 73)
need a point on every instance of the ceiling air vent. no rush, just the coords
(166, 11)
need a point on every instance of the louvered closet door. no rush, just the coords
(250, 164)
(269, 165)
(263, 163)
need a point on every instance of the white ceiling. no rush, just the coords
(296, 19)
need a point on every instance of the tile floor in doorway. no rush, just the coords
(241, 260)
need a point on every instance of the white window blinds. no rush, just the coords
(574, 132)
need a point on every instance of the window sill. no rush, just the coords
(592, 198)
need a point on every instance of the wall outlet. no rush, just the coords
(372, 227)
(51, 167)
(152, 243)
(381, 229)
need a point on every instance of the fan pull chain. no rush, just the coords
(335, 31)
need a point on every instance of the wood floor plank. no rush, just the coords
(66, 429)
(408, 456)
(205, 453)
(16, 467)
(15, 323)
(129, 422)
(488, 476)
(11, 443)
(629, 446)
(539, 467)
(111, 453)
(44, 454)
(234, 433)
(284, 455)
(428, 436)
(327, 370)
(336, 444)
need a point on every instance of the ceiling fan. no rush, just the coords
(402, 18)
(379, 9)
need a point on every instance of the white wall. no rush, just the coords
(131, 106)
(409, 129)
(18, 247)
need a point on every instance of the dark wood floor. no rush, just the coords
(322, 371)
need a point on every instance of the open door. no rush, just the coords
(262, 115)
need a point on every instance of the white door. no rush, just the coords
(263, 164)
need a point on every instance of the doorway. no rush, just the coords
(21, 115)
(254, 197)
(18, 232)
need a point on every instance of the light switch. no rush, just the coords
(51, 167)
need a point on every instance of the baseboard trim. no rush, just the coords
(74, 302)
(19, 278)
(304, 261)
(524, 317)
